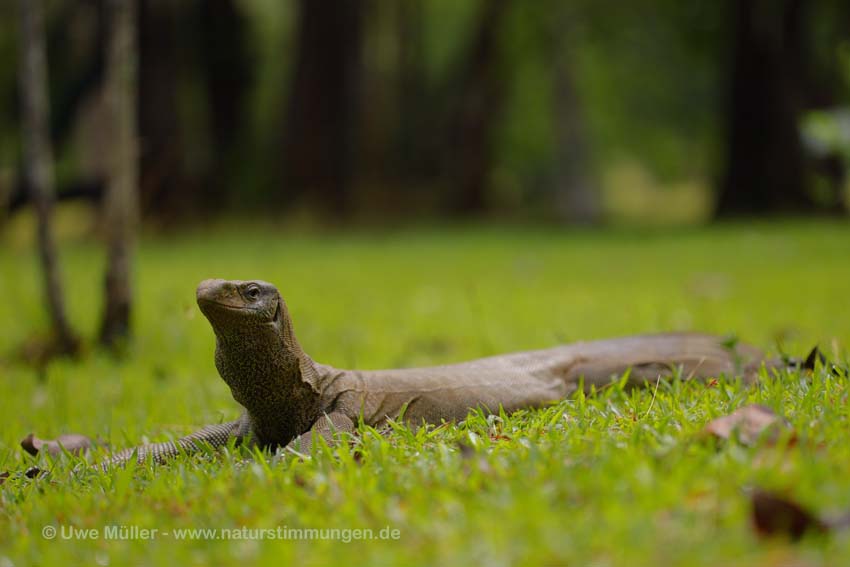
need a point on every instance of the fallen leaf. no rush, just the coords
(751, 423)
(774, 515)
(73, 443)
(3, 476)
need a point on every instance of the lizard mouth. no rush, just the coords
(210, 307)
(227, 306)
(215, 310)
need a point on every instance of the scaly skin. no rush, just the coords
(289, 398)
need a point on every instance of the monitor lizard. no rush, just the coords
(289, 399)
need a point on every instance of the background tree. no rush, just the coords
(224, 60)
(120, 205)
(75, 37)
(321, 120)
(166, 188)
(774, 78)
(765, 163)
(479, 105)
(577, 196)
(38, 162)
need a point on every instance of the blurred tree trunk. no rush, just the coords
(120, 203)
(76, 63)
(76, 75)
(38, 162)
(322, 113)
(482, 90)
(417, 144)
(227, 76)
(825, 84)
(765, 170)
(577, 198)
(165, 187)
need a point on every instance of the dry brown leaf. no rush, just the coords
(751, 423)
(73, 443)
(774, 515)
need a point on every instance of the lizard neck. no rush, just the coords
(272, 377)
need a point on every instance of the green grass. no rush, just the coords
(611, 479)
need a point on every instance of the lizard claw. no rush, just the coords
(31, 472)
(815, 357)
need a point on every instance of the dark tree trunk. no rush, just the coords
(76, 66)
(319, 133)
(164, 184)
(38, 162)
(121, 200)
(765, 169)
(227, 76)
(577, 199)
(417, 147)
(482, 90)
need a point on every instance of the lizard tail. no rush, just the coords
(213, 436)
(647, 357)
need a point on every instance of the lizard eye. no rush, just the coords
(252, 292)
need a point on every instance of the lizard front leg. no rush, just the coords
(325, 427)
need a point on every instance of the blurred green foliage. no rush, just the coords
(652, 81)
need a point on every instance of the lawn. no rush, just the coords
(616, 478)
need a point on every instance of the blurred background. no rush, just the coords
(568, 111)
(331, 113)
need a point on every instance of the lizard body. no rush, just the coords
(289, 398)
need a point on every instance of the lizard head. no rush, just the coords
(227, 303)
(258, 356)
